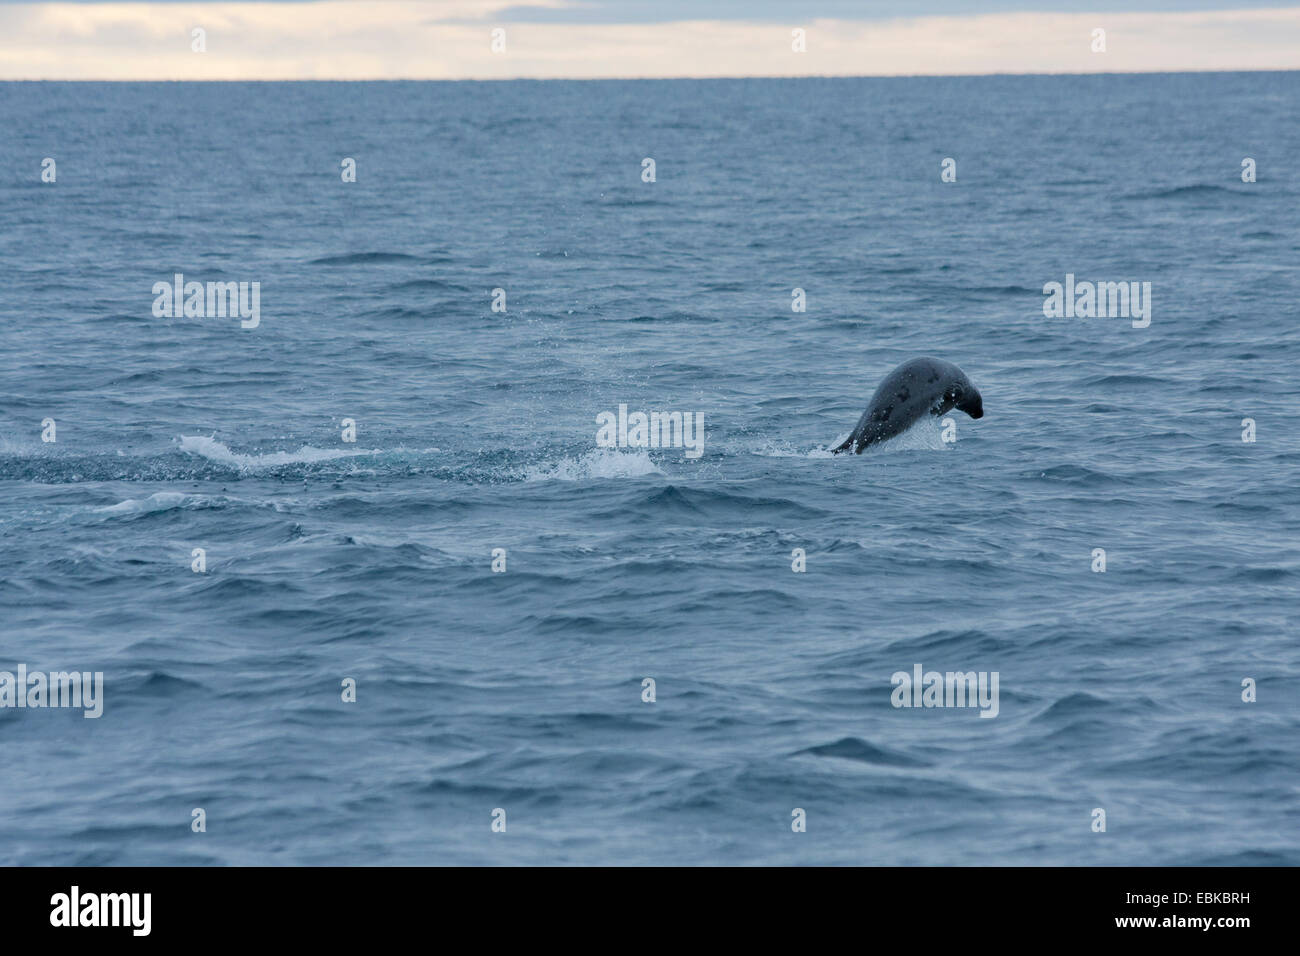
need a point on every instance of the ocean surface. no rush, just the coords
(522, 690)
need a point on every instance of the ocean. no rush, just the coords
(476, 635)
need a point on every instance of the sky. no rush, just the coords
(454, 39)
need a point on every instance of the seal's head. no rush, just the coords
(971, 403)
(965, 397)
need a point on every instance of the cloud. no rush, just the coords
(450, 39)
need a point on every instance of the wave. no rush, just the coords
(1003, 290)
(660, 502)
(213, 450)
(160, 501)
(600, 463)
(855, 748)
(358, 258)
(431, 285)
(180, 501)
(1187, 192)
(1120, 379)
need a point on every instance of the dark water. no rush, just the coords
(476, 430)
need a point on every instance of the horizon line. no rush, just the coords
(666, 79)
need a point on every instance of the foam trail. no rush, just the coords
(925, 435)
(213, 450)
(600, 463)
(161, 501)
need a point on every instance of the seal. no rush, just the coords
(917, 387)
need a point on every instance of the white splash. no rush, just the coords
(775, 449)
(213, 450)
(599, 463)
(161, 501)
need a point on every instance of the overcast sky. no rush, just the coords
(452, 39)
